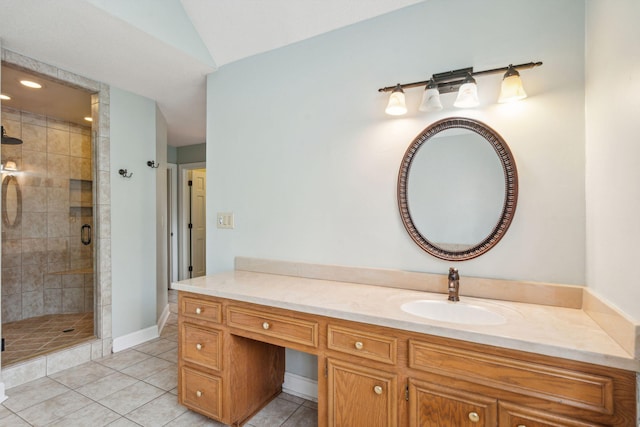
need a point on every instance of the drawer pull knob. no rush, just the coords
(359, 345)
(266, 325)
(474, 417)
(377, 389)
(199, 393)
(198, 310)
(198, 346)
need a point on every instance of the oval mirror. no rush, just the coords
(11, 202)
(457, 189)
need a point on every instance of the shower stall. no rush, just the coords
(47, 230)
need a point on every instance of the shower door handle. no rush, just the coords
(85, 234)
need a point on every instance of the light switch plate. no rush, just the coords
(224, 220)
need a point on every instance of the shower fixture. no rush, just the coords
(8, 139)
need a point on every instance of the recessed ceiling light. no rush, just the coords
(4, 97)
(29, 83)
(89, 119)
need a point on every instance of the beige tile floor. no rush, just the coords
(135, 387)
(33, 337)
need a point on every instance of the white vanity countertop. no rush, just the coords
(553, 331)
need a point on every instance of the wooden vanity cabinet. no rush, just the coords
(231, 364)
(225, 377)
(432, 405)
(518, 389)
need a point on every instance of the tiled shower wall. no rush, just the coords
(45, 267)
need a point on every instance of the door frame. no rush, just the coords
(172, 214)
(183, 216)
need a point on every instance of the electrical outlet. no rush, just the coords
(224, 220)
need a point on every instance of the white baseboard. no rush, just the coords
(300, 386)
(163, 318)
(138, 337)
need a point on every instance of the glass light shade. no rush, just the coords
(396, 105)
(430, 100)
(511, 89)
(11, 166)
(467, 95)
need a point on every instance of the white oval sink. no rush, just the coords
(454, 312)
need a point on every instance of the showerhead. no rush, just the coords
(8, 139)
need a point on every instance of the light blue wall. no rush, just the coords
(133, 212)
(613, 176)
(172, 154)
(196, 153)
(303, 154)
(192, 154)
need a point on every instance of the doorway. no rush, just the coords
(48, 281)
(172, 221)
(193, 219)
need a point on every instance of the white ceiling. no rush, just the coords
(163, 49)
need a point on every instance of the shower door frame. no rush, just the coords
(100, 142)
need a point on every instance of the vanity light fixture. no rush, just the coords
(396, 105)
(5, 97)
(31, 84)
(461, 81)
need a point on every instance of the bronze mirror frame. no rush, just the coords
(511, 188)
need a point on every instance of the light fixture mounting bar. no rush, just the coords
(450, 81)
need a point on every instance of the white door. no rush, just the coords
(198, 221)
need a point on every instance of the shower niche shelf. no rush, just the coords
(80, 197)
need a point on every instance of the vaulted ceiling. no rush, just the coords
(163, 49)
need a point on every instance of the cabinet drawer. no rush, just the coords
(201, 392)
(520, 416)
(201, 309)
(433, 405)
(364, 344)
(201, 346)
(286, 328)
(566, 386)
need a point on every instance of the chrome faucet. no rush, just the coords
(454, 284)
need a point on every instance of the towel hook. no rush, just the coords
(152, 164)
(124, 174)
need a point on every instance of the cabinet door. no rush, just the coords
(432, 405)
(360, 396)
(512, 415)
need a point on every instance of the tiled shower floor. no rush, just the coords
(36, 336)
